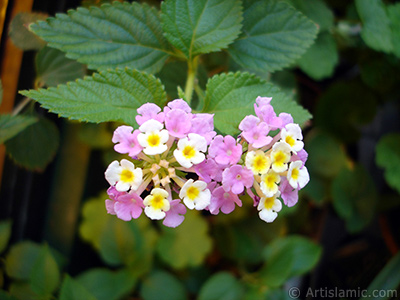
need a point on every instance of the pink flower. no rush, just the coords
(224, 150)
(286, 118)
(149, 111)
(236, 178)
(178, 104)
(248, 123)
(300, 155)
(207, 170)
(127, 140)
(266, 113)
(203, 124)
(125, 205)
(177, 122)
(257, 136)
(221, 199)
(289, 195)
(174, 216)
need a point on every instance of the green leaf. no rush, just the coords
(393, 12)
(232, 96)
(376, 31)
(222, 286)
(105, 284)
(110, 36)
(21, 259)
(35, 147)
(317, 11)
(161, 285)
(388, 158)
(201, 26)
(186, 245)
(45, 276)
(73, 290)
(321, 58)
(5, 233)
(354, 197)
(288, 257)
(386, 282)
(11, 125)
(112, 95)
(53, 68)
(274, 36)
(326, 156)
(23, 291)
(5, 296)
(19, 33)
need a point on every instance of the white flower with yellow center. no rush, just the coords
(258, 162)
(156, 204)
(298, 175)
(269, 207)
(124, 176)
(153, 137)
(189, 151)
(280, 156)
(269, 183)
(195, 194)
(291, 135)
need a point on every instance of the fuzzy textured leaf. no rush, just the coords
(53, 68)
(112, 95)
(110, 36)
(274, 36)
(10, 125)
(232, 96)
(376, 31)
(201, 26)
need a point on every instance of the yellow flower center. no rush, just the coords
(192, 192)
(153, 140)
(270, 180)
(269, 202)
(127, 176)
(280, 158)
(157, 202)
(260, 163)
(295, 174)
(188, 151)
(290, 140)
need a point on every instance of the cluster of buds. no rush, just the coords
(178, 162)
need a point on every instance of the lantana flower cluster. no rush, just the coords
(178, 162)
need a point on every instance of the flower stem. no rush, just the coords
(191, 78)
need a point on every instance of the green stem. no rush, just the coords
(191, 78)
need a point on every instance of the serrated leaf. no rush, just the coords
(20, 260)
(201, 26)
(112, 95)
(317, 11)
(113, 35)
(45, 276)
(288, 257)
(354, 197)
(105, 284)
(230, 97)
(274, 36)
(186, 245)
(222, 286)
(161, 285)
(376, 31)
(20, 34)
(53, 68)
(388, 157)
(73, 290)
(11, 125)
(321, 58)
(35, 147)
(5, 233)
